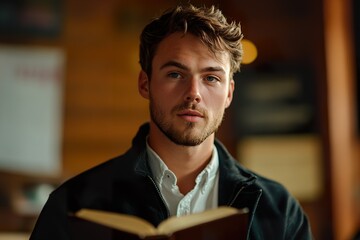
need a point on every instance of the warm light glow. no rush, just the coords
(250, 51)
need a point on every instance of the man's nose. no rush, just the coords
(193, 91)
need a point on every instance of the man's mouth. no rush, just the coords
(190, 115)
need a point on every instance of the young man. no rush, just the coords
(175, 165)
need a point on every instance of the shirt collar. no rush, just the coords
(160, 170)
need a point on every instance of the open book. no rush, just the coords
(220, 223)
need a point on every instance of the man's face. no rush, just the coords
(189, 89)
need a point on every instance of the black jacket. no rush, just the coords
(125, 184)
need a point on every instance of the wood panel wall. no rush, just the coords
(102, 107)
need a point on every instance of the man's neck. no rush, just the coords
(185, 161)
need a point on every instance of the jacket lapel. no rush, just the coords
(237, 186)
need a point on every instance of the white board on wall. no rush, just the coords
(31, 109)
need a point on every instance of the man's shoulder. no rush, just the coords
(122, 168)
(99, 175)
(95, 186)
(242, 173)
(269, 187)
(274, 192)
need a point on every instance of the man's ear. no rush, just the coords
(230, 93)
(143, 85)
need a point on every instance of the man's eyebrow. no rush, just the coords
(182, 66)
(174, 64)
(213, 69)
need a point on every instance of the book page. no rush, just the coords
(124, 222)
(174, 224)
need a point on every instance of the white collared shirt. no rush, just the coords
(203, 196)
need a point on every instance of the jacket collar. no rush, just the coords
(139, 150)
(230, 170)
(234, 178)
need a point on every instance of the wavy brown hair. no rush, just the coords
(209, 24)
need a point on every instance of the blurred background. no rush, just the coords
(69, 100)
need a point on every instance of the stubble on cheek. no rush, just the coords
(189, 135)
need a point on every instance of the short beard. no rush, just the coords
(183, 138)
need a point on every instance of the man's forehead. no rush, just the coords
(177, 47)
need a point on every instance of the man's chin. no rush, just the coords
(187, 138)
(187, 142)
(183, 133)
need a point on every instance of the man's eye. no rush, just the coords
(174, 75)
(211, 79)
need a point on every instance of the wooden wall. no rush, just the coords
(102, 107)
